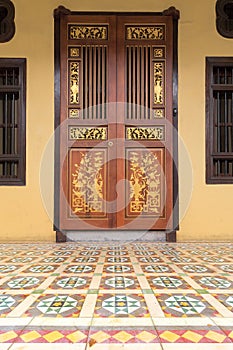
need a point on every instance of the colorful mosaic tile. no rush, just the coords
(119, 282)
(184, 305)
(79, 269)
(121, 305)
(167, 282)
(213, 282)
(23, 282)
(71, 282)
(156, 268)
(118, 269)
(56, 306)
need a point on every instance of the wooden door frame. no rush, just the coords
(58, 14)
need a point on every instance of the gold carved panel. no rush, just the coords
(87, 133)
(159, 52)
(159, 113)
(158, 70)
(74, 77)
(83, 32)
(145, 182)
(74, 113)
(74, 51)
(88, 182)
(145, 32)
(145, 133)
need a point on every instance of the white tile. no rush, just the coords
(37, 346)
(181, 321)
(200, 346)
(5, 346)
(228, 321)
(15, 321)
(124, 347)
(59, 322)
(122, 322)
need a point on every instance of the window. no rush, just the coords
(12, 121)
(219, 120)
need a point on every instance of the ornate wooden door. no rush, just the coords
(115, 122)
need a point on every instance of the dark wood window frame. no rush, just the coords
(12, 121)
(219, 120)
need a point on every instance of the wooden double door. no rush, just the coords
(114, 119)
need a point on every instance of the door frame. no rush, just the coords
(58, 14)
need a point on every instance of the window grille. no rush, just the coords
(219, 119)
(12, 121)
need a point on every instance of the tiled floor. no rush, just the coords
(107, 296)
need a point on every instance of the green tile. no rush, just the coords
(201, 291)
(93, 291)
(38, 291)
(97, 274)
(182, 274)
(140, 274)
(147, 291)
(55, 274)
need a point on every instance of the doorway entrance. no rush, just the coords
(115, 115)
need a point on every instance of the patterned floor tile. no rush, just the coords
(119, 282)
(226, 300)
(23, 282)
(192, 335)
(196, 268)
(71, 282)
(118, 268)
(167, 282)
(156, 268)
(146, 335)
(9, 302)
(121, 305)
(213, 282)
(79, 269)
(117, 259)
(50, 305)
(185, 305)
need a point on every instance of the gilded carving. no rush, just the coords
(159, 113)
(158, 52)
(74, 52)
(145, 133)
(74, 82)
(145, 183)
(74, 113)
(88, 32)
(88, 184)
(145, 32)
(87, 133)
(158, 82)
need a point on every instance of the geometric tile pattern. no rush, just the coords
(107, 293)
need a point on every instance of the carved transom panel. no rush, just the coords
(145, 32)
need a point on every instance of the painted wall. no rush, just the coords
(209, 214)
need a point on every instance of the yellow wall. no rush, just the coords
(208, 217)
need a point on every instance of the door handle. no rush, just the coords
(110, 143)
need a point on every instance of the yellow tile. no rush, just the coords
(100, 336)
(169, 336)
(123, 336)
(53, 336)
(194, 337)
(28, 337)
(215, 336)
(76, 336)
(231, 335)
(146, 336)
(7, 336)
